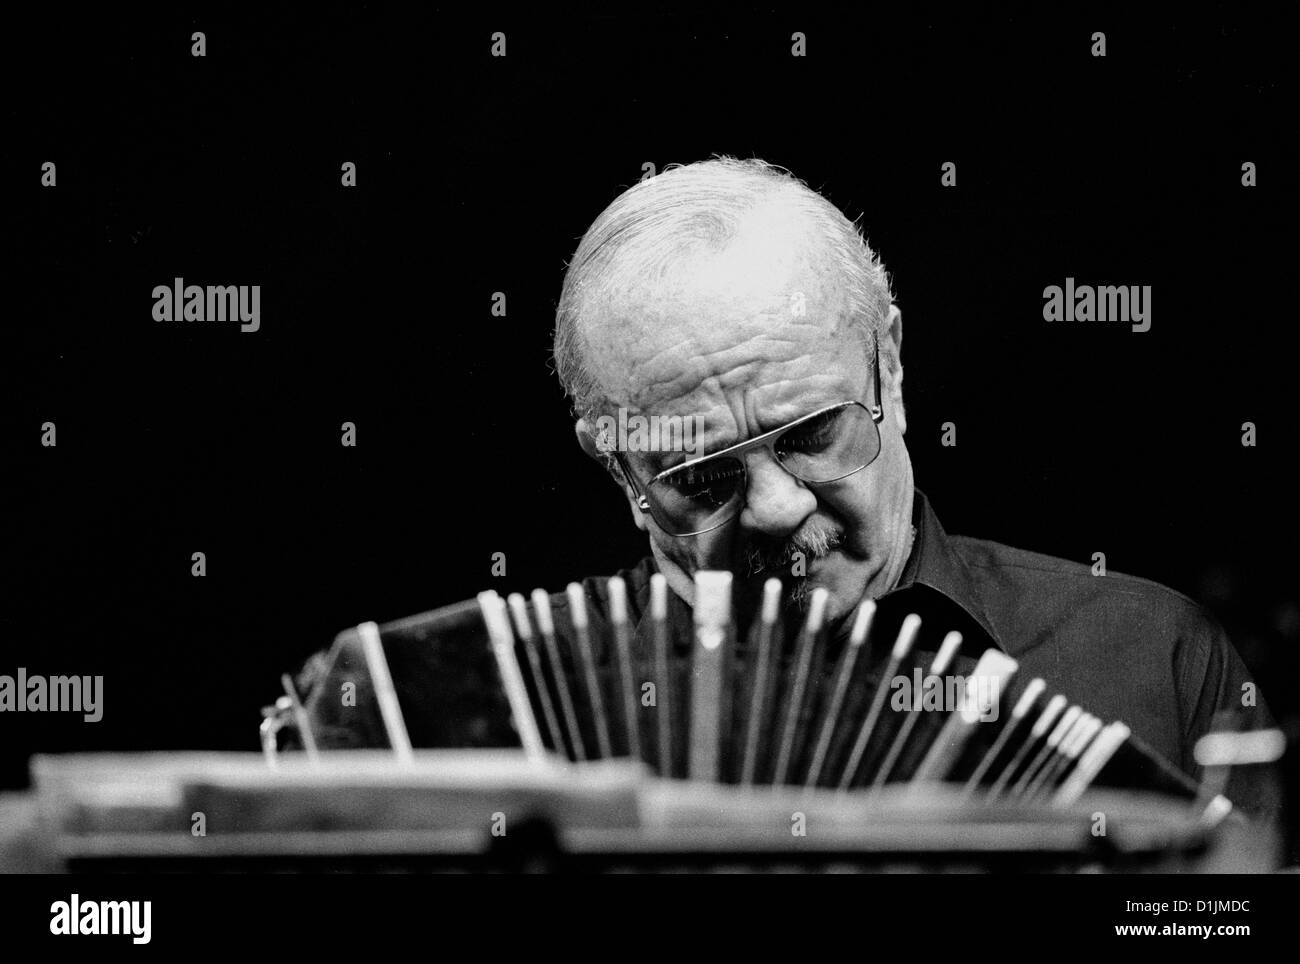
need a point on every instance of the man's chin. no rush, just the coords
(845, 586)
(797, 590)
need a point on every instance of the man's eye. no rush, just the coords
(811, 436)
(705, 481)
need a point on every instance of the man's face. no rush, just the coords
(750, 339)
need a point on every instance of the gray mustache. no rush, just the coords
(778, 555)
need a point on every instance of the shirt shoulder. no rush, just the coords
(1129, 647)
(1028, 595)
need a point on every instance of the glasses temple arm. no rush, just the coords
(642, 502)
(878, 410)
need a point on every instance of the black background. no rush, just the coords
(479, 174)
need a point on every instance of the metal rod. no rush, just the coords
(385, 693)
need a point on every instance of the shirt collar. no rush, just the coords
(934, 564)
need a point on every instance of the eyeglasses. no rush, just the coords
(704, 494)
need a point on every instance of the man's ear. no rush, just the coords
(588, 438)
(892, 372)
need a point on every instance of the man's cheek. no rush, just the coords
(691, 554)
(851, 508)
(713, 550)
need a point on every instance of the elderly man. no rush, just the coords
(730, 293)
(733, 354)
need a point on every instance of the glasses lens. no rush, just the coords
(698, 497)
(830, 446)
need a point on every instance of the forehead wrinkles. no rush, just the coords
(654, 348)
(706, 363)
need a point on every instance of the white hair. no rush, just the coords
(700, 207)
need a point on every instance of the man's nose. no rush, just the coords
(777, 503)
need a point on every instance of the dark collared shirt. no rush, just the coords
(1122, 647)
